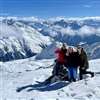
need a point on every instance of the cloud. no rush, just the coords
(4, 14)
(87, 6)
(98, 32)
(83, 31)
(95, 2)
(87, 30)
(68, 31)
(92, 3)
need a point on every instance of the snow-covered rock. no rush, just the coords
(48, 52)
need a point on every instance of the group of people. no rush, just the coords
(68, 61)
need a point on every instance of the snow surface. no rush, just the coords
(23, 74)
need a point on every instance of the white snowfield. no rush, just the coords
(23, 74)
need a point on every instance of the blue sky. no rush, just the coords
(50, 8)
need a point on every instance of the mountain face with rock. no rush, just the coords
(28, 36)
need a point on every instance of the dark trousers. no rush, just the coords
(82, 72)
(57, 68)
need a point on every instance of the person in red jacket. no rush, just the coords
(60, 69)
(61, 59)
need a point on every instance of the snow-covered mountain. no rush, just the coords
(74, 31)
(23, 75)
(18, 40)
(28, 36)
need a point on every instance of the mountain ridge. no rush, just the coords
(31, 35)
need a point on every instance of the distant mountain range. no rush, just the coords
(28, 36)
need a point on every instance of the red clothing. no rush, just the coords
(60, 56)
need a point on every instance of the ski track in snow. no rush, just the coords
(18, 82)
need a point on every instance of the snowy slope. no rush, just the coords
(17, 40)
(23, 74)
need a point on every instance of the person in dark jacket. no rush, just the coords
(84, 64)
(73, 63)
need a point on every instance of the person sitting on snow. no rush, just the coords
(84, 65)
(61, 59)
(60, 68)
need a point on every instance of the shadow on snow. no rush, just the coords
(42, 87)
